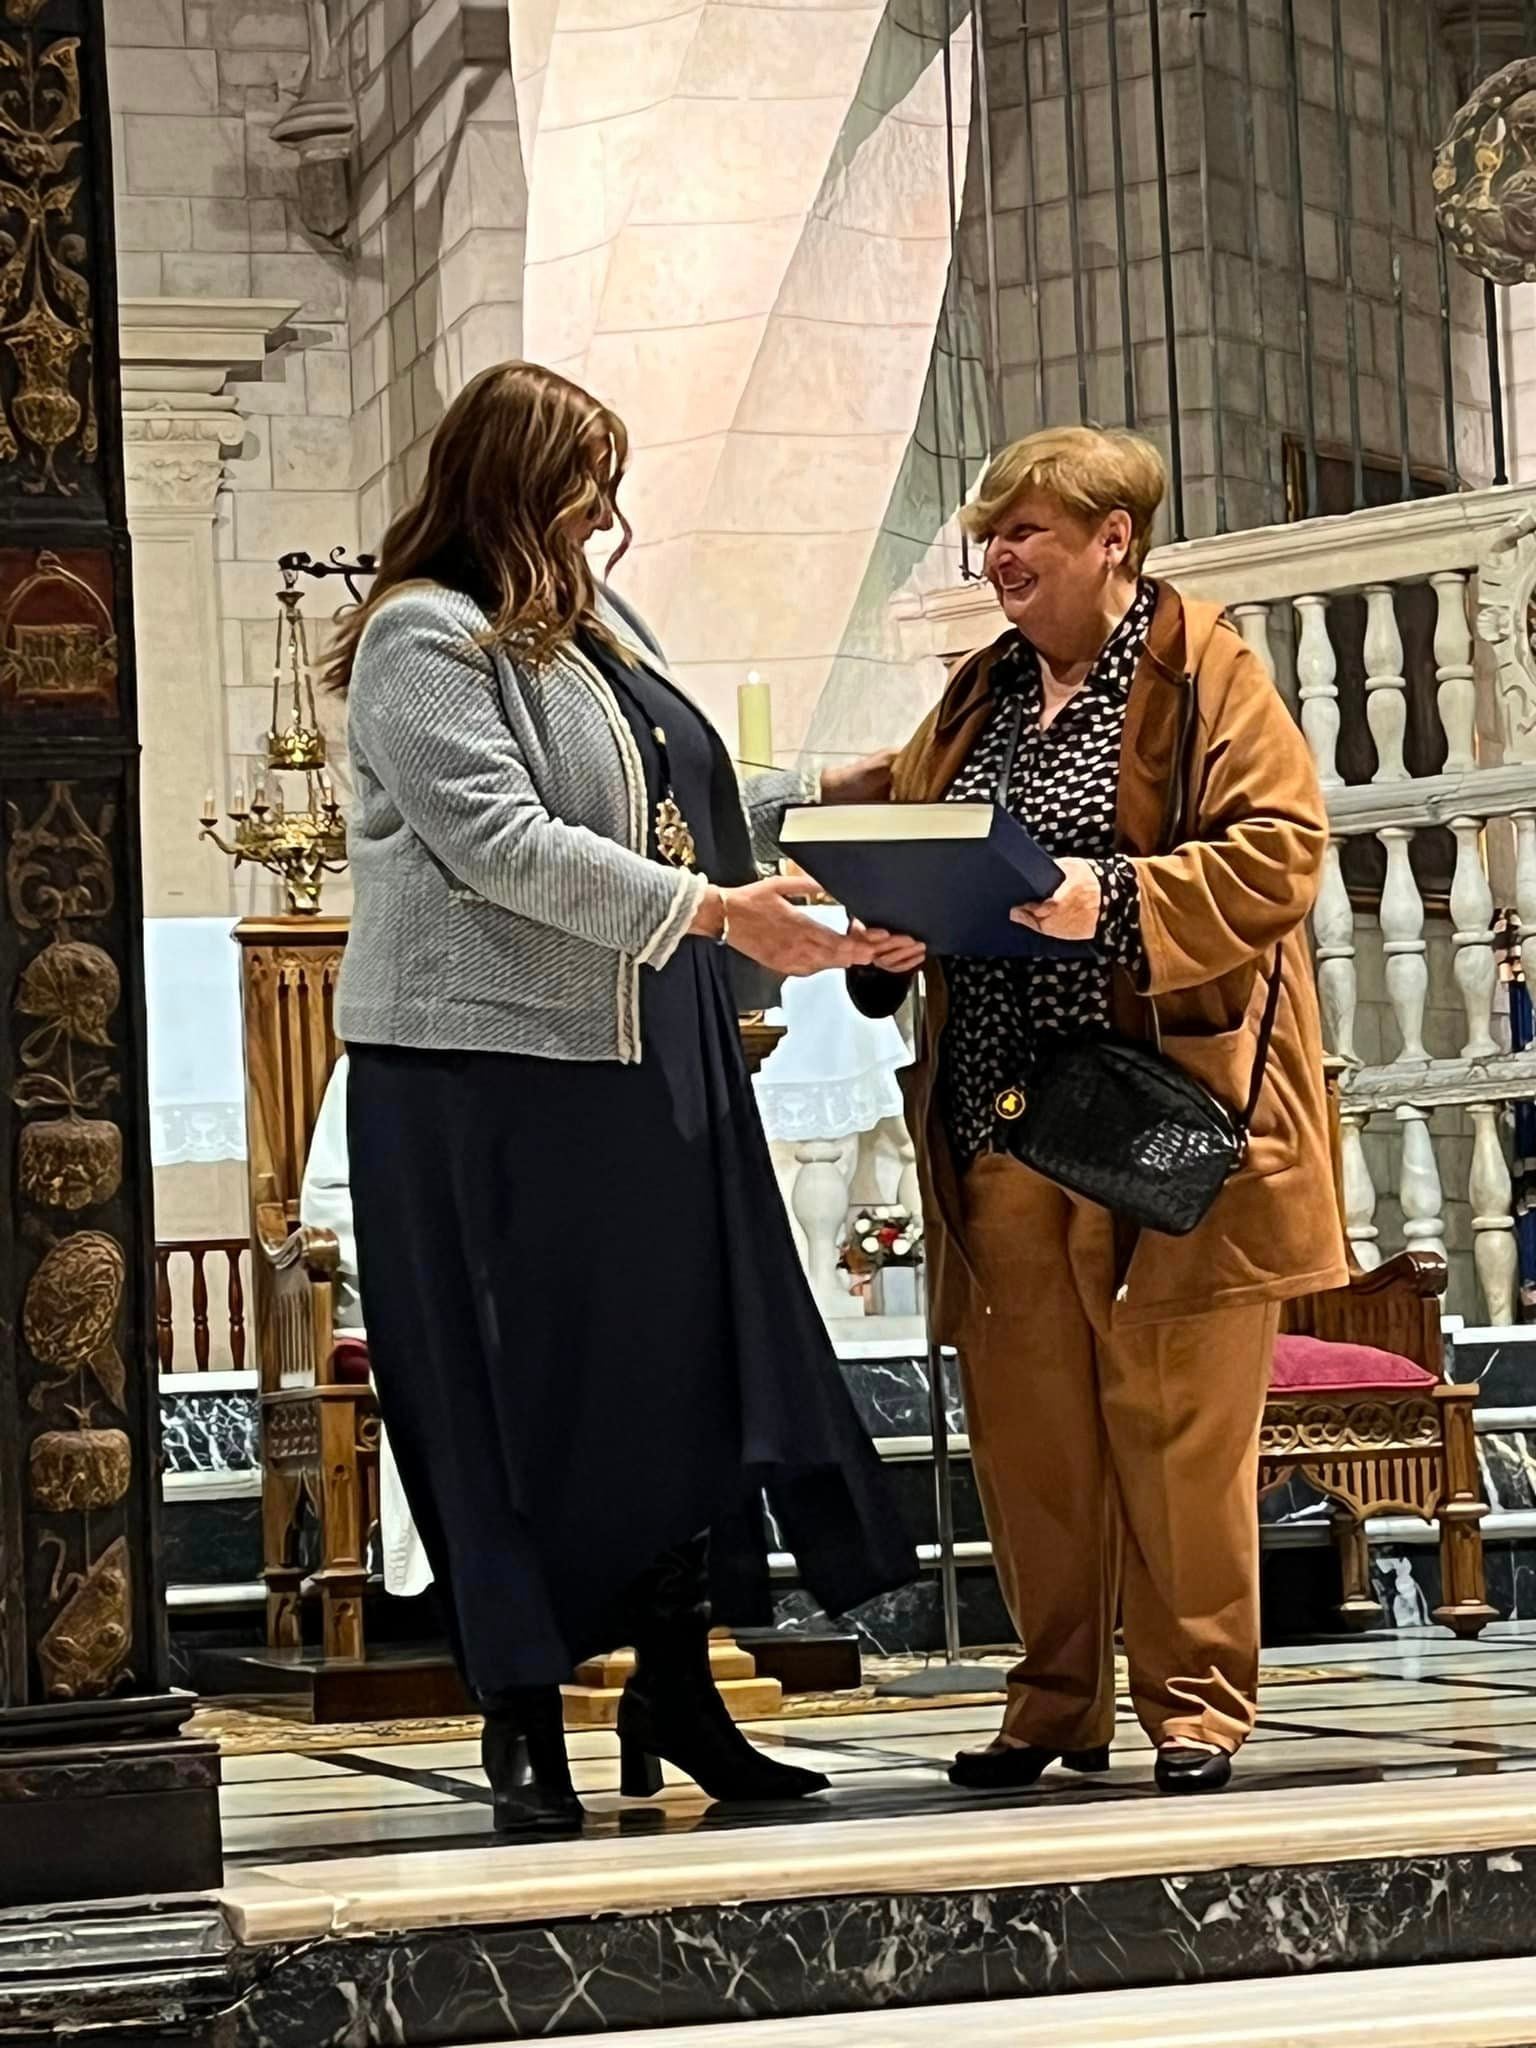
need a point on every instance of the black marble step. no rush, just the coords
(1041, 1896)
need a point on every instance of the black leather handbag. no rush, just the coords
(1118, 1122)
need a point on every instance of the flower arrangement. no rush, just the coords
(881, 1237)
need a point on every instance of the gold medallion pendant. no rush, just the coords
(674, 841)
(1010, 1105)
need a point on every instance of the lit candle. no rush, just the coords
(237, 808)
(754, 724)
(259, 794)
(210, 808)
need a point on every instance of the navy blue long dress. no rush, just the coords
(591, 1334)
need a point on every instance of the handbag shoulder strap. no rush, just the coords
(1261, 1051)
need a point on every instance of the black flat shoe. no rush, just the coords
(1182, 1770)
(523, 1749)
(1011, 1767)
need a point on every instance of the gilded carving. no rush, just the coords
(45, 305)
(74, 1470)
(57, 640)
(83, 1651)
(58, 871)
(69, 1317)
(1485, 177)
(70, 1162)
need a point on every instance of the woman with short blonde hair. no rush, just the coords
(1115, 1377)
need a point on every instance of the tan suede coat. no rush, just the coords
(1219, 807)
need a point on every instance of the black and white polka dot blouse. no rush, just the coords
(1005, 1016)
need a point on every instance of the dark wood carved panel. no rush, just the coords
(81, 1610)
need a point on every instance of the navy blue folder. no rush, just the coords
(947, 874)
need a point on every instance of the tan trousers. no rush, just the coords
(1118, 1473)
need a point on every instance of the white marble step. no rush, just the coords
(515, 1883)
(1450, 2005)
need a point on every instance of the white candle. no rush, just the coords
(210, 808)
(754, 724)
(237, 808)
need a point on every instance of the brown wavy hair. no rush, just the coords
(522, 460)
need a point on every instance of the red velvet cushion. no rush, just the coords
(349, 1362)
(1305, 1362)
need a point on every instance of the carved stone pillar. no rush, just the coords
(181, 424)
(99, 1793)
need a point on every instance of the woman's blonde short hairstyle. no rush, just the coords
(1088, 470)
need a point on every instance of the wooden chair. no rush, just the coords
(1359, 1405)
(319, 1421)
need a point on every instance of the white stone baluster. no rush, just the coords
(1359, 1192)
(820, 1205)
(1402, 933)
(1472, 919)
(1525, 891)
(908, 1190)
(1316, 669)
(1456, 693)
(1386, 700)
(1252, 621)
(1491, 1193)
(1418, 1184)
(1333, 928)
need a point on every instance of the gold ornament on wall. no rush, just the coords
(83, 1651)
(1485, 177)
(45, 302)
(72, 1471)
(70, 1314)
(58, 871)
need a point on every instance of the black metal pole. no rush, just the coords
(1495, 379)
(1347, 255)
(1208, 258)
(994, 307)
(1303, 277)
(951, 295)
(1395, 255)
(1122, 240)
(1447, 361)
(1170, 316)
(1074, 226)
(1273, 495)
(1031, 224)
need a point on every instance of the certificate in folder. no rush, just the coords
(947, 874)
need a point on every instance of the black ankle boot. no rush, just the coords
(1013, 1766)
(523, 1749)
(671, 1708)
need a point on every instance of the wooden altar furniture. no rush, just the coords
(1359, 1405)
(319, 1421)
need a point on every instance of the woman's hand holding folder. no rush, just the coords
(1072, 912)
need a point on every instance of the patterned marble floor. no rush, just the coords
(1410, 1707)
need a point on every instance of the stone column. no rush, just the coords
(99, 1792)
(181, 423)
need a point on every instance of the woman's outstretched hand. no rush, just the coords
(762, 921)
(893, 954)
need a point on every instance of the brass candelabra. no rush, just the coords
(299, 844)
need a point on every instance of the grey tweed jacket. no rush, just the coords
(503, 899)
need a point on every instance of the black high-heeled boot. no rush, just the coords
(523, 1749)
(671, 1708)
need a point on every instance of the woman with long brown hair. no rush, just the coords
(593, 1345)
